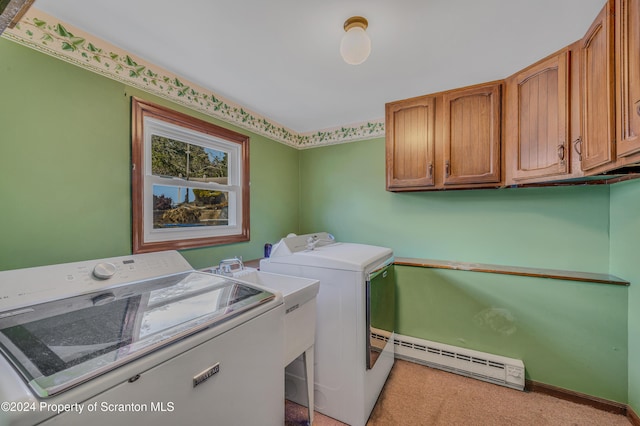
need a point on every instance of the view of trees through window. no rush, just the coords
(181, 206)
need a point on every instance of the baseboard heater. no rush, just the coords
(478, 365)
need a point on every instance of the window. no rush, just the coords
(190, 181)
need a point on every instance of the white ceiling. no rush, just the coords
(280, 58)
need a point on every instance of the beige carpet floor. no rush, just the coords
(419, 395)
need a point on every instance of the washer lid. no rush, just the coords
(345, 256)
(60, 344)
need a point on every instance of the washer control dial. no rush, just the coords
(104, 271)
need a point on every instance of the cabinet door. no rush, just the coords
(472, 135)
(628, 76)
(538, 117)
(410, 130)
(597, 146)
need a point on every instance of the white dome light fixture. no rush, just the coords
(355, 46)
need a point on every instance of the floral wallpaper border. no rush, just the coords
(45, 33)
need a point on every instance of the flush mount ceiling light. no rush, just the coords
(355, 46)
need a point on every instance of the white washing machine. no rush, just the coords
(141, 339)
(354, 331)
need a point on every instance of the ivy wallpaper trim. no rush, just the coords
(46, 34)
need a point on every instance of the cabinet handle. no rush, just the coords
(638, 107)
(561, 151)
(430, 168)
(577, 145)
(446, 169)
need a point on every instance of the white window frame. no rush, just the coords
(149, 120)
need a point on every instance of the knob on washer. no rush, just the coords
(104, 270)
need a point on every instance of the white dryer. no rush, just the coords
(354, 331)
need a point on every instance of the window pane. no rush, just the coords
(178, 206)
(172, 154)
(173, 158)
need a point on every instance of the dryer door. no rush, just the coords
(381, 311)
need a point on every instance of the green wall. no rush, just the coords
(561, 228)
(65, 161)
(625, 239)
(571, 335)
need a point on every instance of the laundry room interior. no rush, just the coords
(541, 270)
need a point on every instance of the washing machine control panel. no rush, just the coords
(24, 287)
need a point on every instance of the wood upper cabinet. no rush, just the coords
(472, 135)
(537, 120)
(573, 114)
(597, 146)
(410, 143)
(627, 37)
(445, 140)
